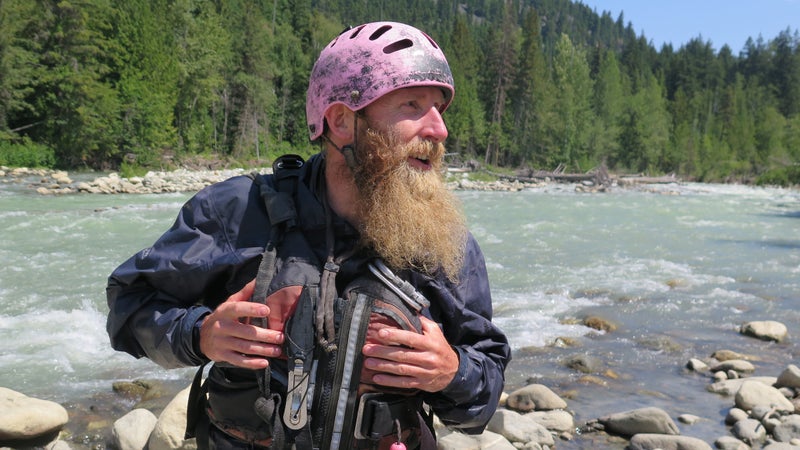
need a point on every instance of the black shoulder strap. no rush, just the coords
(282, 213)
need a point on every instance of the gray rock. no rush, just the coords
(767, 330)
(730, 443)
(534, 397)
(638, 421)
(688, 419)
(750, 431)
(790, 377)
(737, 365)
(731, 387)
(58, 444)
(493, 441)
(779, 446)
(788, 429)
(132, 431)
(517, 428)
(696, 365)
(168, 433)
(754, 393)
(734, 415)
(645, 441)
(556, 420)
(458, 441)
(24, 418)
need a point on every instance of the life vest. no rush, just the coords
(318, 396)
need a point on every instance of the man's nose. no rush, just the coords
(434, 129)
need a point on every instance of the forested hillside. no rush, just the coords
(539, 83)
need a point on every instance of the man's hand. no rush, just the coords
(406, 359)
(227, 336)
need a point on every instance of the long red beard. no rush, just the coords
(407, 215)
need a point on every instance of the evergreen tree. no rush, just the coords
(148, 79)
(530, 93)
(573, 114)
(76, 105)
(465, 117)
(609, 104)
(502, 57)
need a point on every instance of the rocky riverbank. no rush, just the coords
(54, 182)
(764, 413)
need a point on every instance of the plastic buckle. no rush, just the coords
(359, 431)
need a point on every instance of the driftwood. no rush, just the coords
(597, 177)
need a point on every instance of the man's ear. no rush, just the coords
(340, 122)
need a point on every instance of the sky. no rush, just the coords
(719, 21)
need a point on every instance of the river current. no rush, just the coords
(676, 268)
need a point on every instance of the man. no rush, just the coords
(375, 99)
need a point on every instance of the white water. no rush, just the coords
(678, 269)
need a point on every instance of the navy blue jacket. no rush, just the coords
(213, 249)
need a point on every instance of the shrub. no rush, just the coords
(26, 154)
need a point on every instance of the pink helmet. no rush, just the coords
(366, 62)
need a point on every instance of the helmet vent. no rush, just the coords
(396, 46)
(433, 43)
(355, 33)
(379, 32)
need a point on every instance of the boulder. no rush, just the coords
(754, 393)
(644, 420)
(132, 431)
(767, 330)
(535, 397)
(170, 428)
(24, 418)
(645, 441)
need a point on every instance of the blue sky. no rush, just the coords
(718, 21)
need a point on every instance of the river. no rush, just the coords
(677, 268)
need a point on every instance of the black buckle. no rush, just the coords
(378, 414)
(288, 162)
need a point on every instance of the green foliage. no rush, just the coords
(130, 170)
(784, 176)
(26, 154)
(542, 83)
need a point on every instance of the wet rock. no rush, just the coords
(599, 323)
(696, 365)
(583, 363)
(739, 366)
(535, 397)
(725, 355)
(767, 330)
(689, 419)
(644, 420)
(24, 418)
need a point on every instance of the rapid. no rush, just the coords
(676, 268)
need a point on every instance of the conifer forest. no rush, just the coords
(125, 84)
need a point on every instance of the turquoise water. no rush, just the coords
(677, 268)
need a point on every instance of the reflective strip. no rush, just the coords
(351, 352)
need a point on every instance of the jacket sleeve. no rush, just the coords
(156, 297)
(465, 312)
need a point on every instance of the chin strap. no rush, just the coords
(348, 150)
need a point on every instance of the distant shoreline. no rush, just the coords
(185, 180)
